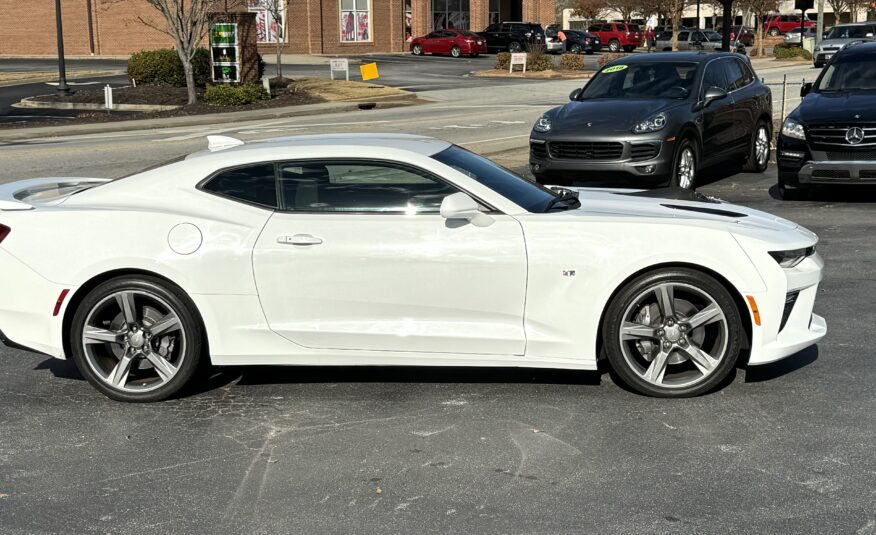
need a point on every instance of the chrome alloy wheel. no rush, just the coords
(686, 168)
(134, 341)
(762, 146)
(674, 335)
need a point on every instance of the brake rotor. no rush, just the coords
(650, 315)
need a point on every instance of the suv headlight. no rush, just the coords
(792, 128)
(652, 124)
(543, 124)
(789, 259)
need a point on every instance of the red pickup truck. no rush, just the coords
(781, 24)
(617, 35)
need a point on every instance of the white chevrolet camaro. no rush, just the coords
(392, 250)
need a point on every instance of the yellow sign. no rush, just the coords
(369, 71)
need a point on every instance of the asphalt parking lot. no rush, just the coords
(784, 448)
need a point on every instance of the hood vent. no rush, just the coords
(674, 193)
(705, 210)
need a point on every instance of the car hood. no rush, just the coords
(608, 115)
(689, 208)
(842, 107)
(841, 42)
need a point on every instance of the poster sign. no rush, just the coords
(339, 64)
(517, 58)
(225, 52)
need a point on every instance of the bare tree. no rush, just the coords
(839, 7)
(674, 11)
(276, 8)
(626, 8)
(589, 9)
(186, 22)
(760, 9)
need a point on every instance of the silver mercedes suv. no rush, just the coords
(841, 35)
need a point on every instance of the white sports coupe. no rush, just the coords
(392, 250)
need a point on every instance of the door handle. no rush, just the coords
(299, 239)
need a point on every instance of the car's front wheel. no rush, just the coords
(575, 49)
(759, 151)
(417, 50)
(774, 31)
(614, 45)
(455, 52)
(136, 339)
(684, 168)
(514, 47)
(672, 333)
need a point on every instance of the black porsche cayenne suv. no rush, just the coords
(654, 120)
(830, 138)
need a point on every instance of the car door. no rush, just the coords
(717, 116)
(359, 258)
(490, 34)
(739, 79)
(683, 43)
(445, 41)
(430, 42)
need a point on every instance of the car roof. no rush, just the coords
(847, 24)
(859, 48)
(424, 145)
(659, 57)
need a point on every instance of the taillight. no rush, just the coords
(4, 231)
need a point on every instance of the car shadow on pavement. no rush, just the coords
(62, 369)
(835, 193)
(768, 372)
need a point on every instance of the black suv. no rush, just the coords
(830, 138)
(513, 36)
(652, 119)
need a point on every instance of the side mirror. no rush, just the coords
(461, 206)
(805, 89)
(712, 94)
(574, 94)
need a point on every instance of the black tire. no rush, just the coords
(614, 46)
(627, 369)
(629, 48)
(754, 164)
(818, 64)
(178, 302)
(773, 31)
(476, 54)
(455, 52)
(676, 177)
(792, 193)
(514, 47)
(575, 49)
(417, 50)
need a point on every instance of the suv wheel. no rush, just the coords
(791, 193)
(774, 31)
(614, 45)
(514, 47)
(455, 52)
(759, 152)
(684, 168)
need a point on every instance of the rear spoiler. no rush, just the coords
(28, 194)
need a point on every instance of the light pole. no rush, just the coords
(62, 69)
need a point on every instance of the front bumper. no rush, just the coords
(554, 46)
(823, 56)
(801, 166)
(635, 164)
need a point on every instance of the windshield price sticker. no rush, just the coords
(616, 68)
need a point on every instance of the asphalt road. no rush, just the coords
(784, 448)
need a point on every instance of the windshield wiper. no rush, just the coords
(567, 196)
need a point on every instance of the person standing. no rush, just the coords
(649, 38)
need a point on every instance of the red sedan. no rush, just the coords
(454, 42)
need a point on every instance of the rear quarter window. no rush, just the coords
(252, 184)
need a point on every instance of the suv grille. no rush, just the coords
(831, 136)
(538, 150)
(586, 150)
(644, 151)
(848, 156)
(831, 173)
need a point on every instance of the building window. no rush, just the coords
(409, 19)
(266, 25)
(450, 14)
(494, 11)
(355, 21)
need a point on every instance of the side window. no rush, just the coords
(255, 184)
(594, 28)
(714, 76)
(682, 36)
(433, 35)
(747, 74)
(492, 28)
(733, 73)
(360, 186)
(698, 36)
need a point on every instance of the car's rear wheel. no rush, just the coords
(614, 45)
(629, 48)
(684, 168)
(417, 50)
(774, 31)
(759, 152)
(575, 48)
(455, 52)
(672, 333)
(514, 46)
(476, 54)
(136, 339)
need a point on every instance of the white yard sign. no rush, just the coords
(340, 64)
(517, 58)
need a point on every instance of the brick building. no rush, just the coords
(346, 27)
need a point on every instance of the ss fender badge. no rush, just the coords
(568, 272)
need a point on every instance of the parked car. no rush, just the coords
(656, 119)
(581, 42)
(830, 138)
(385, 249)
(691, 39)
(456, 43)
(744, 35)
(839, 36)
(617, 36)
(553, 43)
(513, 36)
(781, 24)
(793, 37)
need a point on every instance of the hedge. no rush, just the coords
(572, 62)
(605, 58)
(229, 95)
(783, 51)
(163, 67)
(534, 62)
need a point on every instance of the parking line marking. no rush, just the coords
(494, 139)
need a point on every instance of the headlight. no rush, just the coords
(793, 129)
(543, 124)
(653, 124)
(789, 259)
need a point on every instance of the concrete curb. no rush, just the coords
(88, 106)
(22, 134)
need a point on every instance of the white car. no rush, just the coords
(392, 250)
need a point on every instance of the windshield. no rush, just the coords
(852, 73)
(513, 187)
(666, 79)
(633, 28)
(466, 33)
(850, 32)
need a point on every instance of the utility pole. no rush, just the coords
(819, 26)
(698, 15)
(63, 88)
(728, 23)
